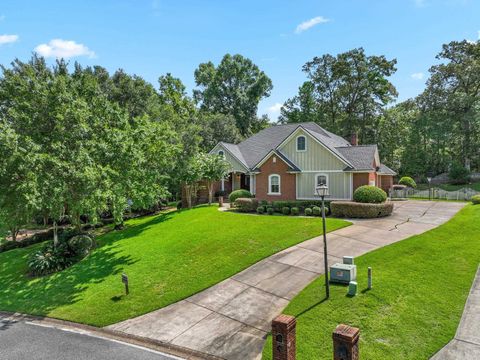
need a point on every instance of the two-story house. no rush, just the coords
(288, 162)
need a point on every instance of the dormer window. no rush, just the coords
(301, 143)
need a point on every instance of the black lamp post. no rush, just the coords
(322, 191)
(429, 179)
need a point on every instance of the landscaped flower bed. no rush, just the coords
(369, 202)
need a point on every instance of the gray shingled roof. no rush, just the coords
(384, 169)
(361, 157)
(252, 150)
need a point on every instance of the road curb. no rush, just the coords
(151, 344)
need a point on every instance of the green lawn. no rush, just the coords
(167, 258)
(419, 289)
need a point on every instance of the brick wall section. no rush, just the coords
(287, 181)
(284, 337)
(359, 179)
(386, 182)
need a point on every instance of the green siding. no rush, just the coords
(316, 157)
(236, 165)
(338, 185)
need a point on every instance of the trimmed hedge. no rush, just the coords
(301, 204)
(317, 211)
(369, 194)
(234, 195)
(270, 210)
(286, 210)
(352, 209)
(408, 181)
(260, 209)
(308, 212)
(295, 210)
(476, 199)
(246, 204)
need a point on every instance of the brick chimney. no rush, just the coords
(354, 139)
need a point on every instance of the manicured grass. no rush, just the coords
(419, 290)
(167, 258)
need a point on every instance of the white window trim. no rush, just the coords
(316, 182)
(296, 143)
(270, 184)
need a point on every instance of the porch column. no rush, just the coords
(252, 185)
(233, 181)
(223, 184)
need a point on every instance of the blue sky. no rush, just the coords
(151, 38)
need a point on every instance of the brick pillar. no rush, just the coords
(283, 337)
(345, 343)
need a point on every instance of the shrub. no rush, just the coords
(369, 194)
(301, 204)
(408, 181)
(239, 194)
(260, 209)
(476, 199)
(264, 203)
(80, 245)
(246, 204)
(295, 210)
(316, 211)
(352, 209)
(270, 210)
(308, 212)
(286, 210)
(51, 259)
(179, 205)
(458, 174)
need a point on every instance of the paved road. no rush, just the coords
(466, 343)
(22, 340)
(231, 319)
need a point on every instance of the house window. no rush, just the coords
(301, 143)
(221, 153)
(274, 184)
(320, 179)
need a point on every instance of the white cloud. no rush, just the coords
(63, 49)
(8, 39)
(417, 76)
(274, 110)
(310, 23)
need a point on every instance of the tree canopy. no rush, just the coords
(234, 87)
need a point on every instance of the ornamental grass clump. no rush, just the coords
(51, 259)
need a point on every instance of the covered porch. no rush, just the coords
(237, 180)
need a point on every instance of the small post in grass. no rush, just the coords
(322, 191)
(125, 281)
(369, 278)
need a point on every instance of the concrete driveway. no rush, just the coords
(231, 319)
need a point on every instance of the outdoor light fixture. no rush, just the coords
(322, 191)
(429, 179)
